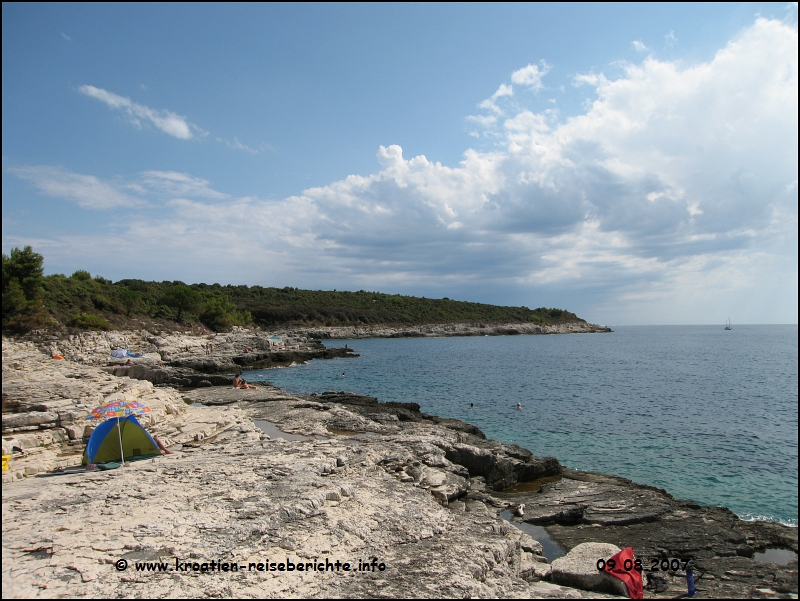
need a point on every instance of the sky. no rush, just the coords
(635, 164)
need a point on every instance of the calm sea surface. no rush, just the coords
(708, 415)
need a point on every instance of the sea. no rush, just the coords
(707, 414)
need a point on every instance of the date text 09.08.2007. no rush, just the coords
(662, 565)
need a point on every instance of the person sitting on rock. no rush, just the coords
(238, 382)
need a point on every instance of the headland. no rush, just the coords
(261, 476)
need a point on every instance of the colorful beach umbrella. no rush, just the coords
(118, 409)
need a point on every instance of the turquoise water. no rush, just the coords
(709, 415)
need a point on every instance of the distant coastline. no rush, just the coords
(450, 329)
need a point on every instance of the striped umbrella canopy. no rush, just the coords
(118, 409)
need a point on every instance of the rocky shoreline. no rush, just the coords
(262, 476)
(180, 359)
(459, 329)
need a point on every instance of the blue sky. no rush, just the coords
(634, 164)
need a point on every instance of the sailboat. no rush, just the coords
(728, 324)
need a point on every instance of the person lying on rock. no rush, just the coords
(164, 450)
(238, 382)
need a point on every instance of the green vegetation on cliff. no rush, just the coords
(31, 300)
(23, 289)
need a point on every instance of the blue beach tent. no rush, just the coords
(104, 443)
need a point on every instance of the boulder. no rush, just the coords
(578, 569)
(172, 376)
(502, 465)
(26, 420)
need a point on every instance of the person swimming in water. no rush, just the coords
(519, 405)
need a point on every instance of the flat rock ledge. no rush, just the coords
(584, 507)
(231, 493)
(459, 447)
(248, 499)
(230, 353)
(458, 466)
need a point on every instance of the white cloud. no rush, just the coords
(591, 79)
(483, 120)
(490, 105)
(167, 121)
(639, 46)
(503, 90)
(66, 37)
(91, 192)
(239, 146)
(173, 183)
(531, 75)
(670, 39)
(86, 190)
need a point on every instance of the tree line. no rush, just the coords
(32, 300)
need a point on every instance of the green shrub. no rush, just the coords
(182, 298)
(27, 321)
(219, 314)
(89, 322)
(14, 300)
(162, 312)
(23, 288)
(100, 302)
(130, 299)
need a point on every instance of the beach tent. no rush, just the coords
(122, 353)
(104, 443)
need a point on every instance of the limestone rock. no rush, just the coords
(578, 569)
(249, 502)
(571, 501)
(529, 545)
(46, 404)
(169, 375)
